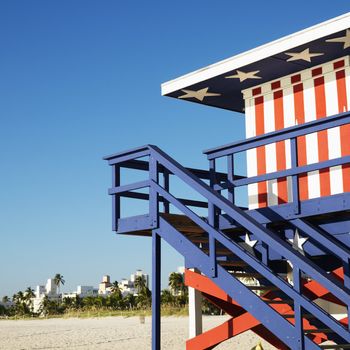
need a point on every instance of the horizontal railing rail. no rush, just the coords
(294, 170)
(279, 135)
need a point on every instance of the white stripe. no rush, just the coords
(311, 139)
(269, 113)
(250, 119)
(270, 150)
(334, 146)
(251, 154)
(347, 83)
(289, 120)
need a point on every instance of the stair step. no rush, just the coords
(198, 239)
(182, 223)
(289, 302)
(262, 287)
(246, 275)
(320, 330)
(220, 251)
(232, 263)
(335, 346)
(306, 316)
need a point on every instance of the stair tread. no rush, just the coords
(335, 346)
(232, 263)
(286, 301)
(262, 287)
(319, 330)
(245, 275)
(182, 223)
(306, 316)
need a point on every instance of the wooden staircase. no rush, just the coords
(251, 267)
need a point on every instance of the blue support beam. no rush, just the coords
(156, 290)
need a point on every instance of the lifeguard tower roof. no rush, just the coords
(221, 84)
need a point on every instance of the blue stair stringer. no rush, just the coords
(209, 263)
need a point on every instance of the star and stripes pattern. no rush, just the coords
(307, 95)
(305, 55)
(293, 100)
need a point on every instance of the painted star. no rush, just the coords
(298, 242)
(305, 55)
(250, 242)
(199, 94)
(343, 39)
(244, 75)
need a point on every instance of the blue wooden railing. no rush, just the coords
(291, 133)
(159, 161)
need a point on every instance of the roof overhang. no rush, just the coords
(270, 60)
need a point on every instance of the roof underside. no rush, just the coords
(210, 85)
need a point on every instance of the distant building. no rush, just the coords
(82, 292)
(104, 287)
(127, 286)
(49, 290)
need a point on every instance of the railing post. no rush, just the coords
(116, 197)
(153, 194)
(166, 176)
(295, 183)
(230, 177)
(346, 268)
(213, 220)
(156, 269)
(298, 311)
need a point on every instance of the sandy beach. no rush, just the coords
(108, 333)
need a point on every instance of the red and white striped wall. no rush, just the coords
(309, 95)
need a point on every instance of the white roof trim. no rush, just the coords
(320, 30)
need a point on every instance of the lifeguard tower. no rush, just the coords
(280, 266)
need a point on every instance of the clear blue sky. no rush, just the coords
(80, 80)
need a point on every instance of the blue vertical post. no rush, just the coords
(346, 268)
(213, 220)
(230, 177)
(295, 184)
(166, 176)
(116, 197)
(153, 194)
(156, 316)
(298, 311)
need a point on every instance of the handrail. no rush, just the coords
(279, 135)
(216, 201)
(292, 134)
(284, 173)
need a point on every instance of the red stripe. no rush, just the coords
(260, 151)
(345, 129)
(295, 78)
(275, 85)
(322, 136)
(280, 147)
(301, 141)
(339, 64)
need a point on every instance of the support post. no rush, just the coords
(230, 177)
(195, 311)
(213, 216)
(115, 197)
(156, 316)
(346, 268)
(166, 176)
(295, 183)
(153, 194)
(298, 311)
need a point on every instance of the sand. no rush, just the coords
(108, 333)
